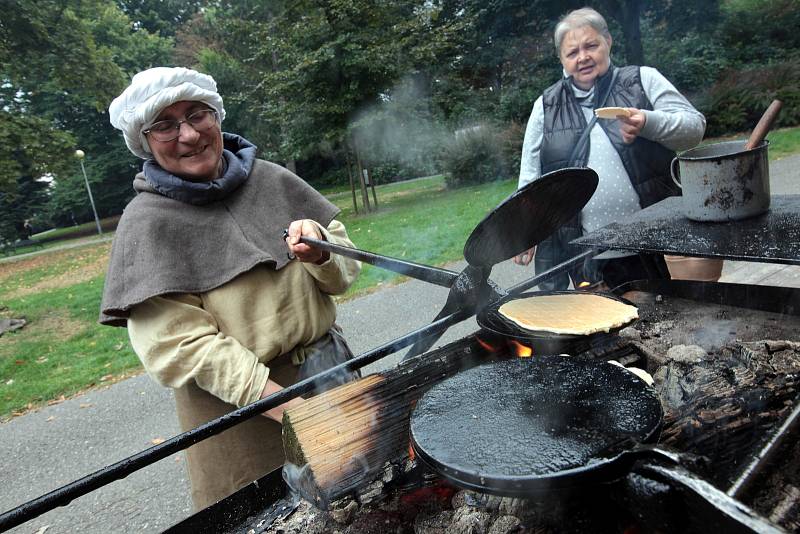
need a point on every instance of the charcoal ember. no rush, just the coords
(468, 520)
(435, 523)
(506, 524)
(371, 493)
(514, 506)
(390, 472)
(305, 520)
(476, 500)
(781, 345)
(630, 333)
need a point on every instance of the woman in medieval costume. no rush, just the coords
(217, 305)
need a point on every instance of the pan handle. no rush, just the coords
(433, 275)
(707, 504)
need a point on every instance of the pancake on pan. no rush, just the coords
(578, 313)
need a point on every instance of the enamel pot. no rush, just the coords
(723, 181)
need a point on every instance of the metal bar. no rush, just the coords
(433, 275)
(552, 272)
(66, 494)
(766, 456)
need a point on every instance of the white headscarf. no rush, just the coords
(151, 91)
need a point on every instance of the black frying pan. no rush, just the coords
(491, 320)
(530, 215)
(520, 427)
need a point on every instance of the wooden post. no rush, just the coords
(350, 175)
(364, 194)
(372, 185)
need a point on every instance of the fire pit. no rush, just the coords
(725, 358)
(723, 396)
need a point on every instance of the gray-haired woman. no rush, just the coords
(630, 153)
(215, 303)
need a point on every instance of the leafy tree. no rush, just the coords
(324, 63)
(62, 63)
(161, 17)
(30, 149)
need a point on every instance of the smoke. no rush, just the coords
(715, 334)
(401, 128)
(300, 481)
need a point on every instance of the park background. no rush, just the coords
(407, 87)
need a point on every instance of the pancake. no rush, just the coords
(578, 313)
(611, 113)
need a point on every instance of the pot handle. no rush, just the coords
(673, 173)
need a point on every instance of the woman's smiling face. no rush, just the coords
(585, 55)
(194, 156)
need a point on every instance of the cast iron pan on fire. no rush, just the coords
(530, 425)
(542, 342)
(517, 426)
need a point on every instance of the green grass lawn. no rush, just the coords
(62, 350)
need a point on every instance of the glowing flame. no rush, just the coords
(411, 455)
(522, 351)
(584, 284)
(488, 346)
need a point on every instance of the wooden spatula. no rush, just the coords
(764, 125)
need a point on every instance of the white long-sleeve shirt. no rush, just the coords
(673, 122)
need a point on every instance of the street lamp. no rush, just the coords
(80, 155)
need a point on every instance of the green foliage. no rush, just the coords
(737, 101)
(474, 156)
(62, 63)
(690, 61)
(30, 148)
(511, 139)
(760, 31)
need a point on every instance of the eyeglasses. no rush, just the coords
(165, 131)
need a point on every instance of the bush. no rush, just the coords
(511, 140)
(739, 98)
(473, 156)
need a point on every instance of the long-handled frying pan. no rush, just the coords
(523, 426)
(520, 222)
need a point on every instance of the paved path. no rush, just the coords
(58, 444)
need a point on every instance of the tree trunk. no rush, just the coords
(372, 186)
(628, 14)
